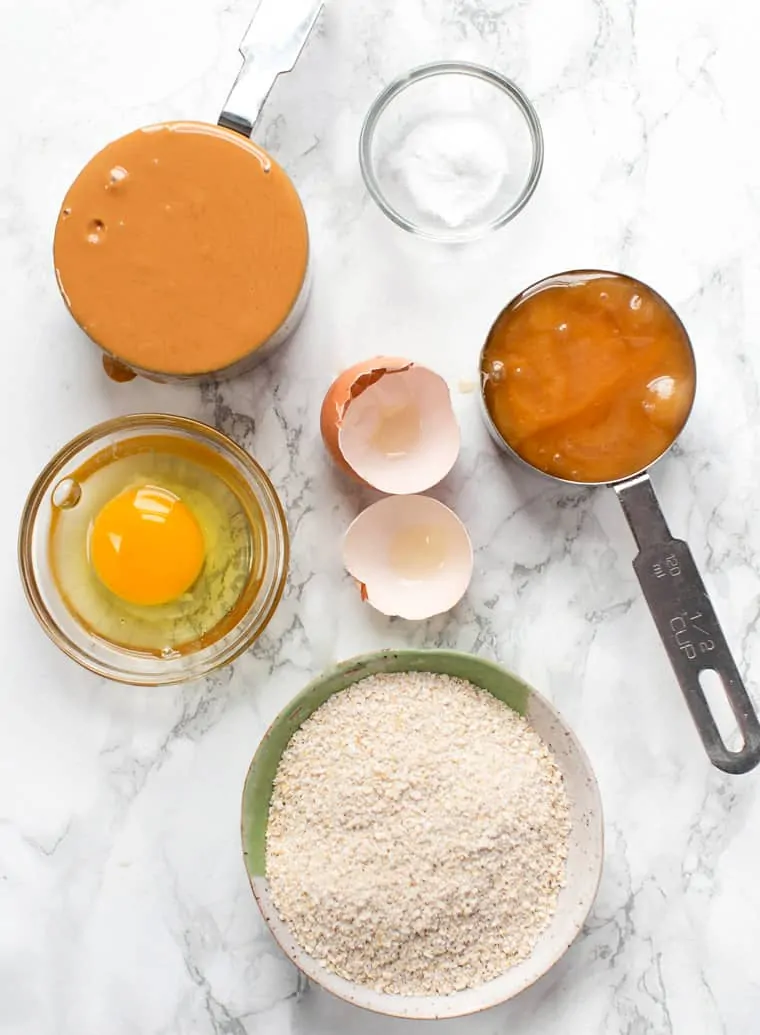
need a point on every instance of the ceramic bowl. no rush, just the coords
(584, 863)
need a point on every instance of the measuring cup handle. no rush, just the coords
(249, 94)
(688, 625)
(272, 44)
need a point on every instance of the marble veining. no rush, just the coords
(124, 907)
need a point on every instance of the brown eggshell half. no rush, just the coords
(344, 389)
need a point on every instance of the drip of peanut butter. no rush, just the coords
(117, 371)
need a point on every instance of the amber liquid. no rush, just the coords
(589, 376)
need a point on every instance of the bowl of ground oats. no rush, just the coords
(422, 833)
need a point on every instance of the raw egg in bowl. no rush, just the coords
(153, 549)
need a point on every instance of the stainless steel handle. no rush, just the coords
(688, 625)
(270, 47)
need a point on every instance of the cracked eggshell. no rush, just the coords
(401, 435)
(345, 388)
(410, 555)
(390, 423)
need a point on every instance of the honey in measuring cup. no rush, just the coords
(182, 250)
(588, 377)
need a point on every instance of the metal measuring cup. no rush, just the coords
(673, 588)
(271, 47)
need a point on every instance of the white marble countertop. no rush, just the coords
(124, 906)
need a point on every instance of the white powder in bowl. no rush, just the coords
(418, 835)
(452, 167)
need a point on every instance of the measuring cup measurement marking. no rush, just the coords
(688, 626)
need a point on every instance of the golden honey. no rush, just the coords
(588, 376)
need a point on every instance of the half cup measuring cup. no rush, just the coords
(672, 586)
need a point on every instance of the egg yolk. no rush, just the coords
(146, 546)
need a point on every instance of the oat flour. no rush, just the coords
(417, 835)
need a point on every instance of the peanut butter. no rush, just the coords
(181, 248)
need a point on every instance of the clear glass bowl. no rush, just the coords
(220, 646)
(451, 151)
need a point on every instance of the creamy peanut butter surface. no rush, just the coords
(181, 248)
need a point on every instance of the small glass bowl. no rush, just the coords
(451, 151)
(235, 633)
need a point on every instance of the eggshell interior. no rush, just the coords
(401, 435)
(411, 556)
(345, 388)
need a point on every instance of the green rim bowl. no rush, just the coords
(586, 850)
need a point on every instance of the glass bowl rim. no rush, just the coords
(417, 75)
(27, 565)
